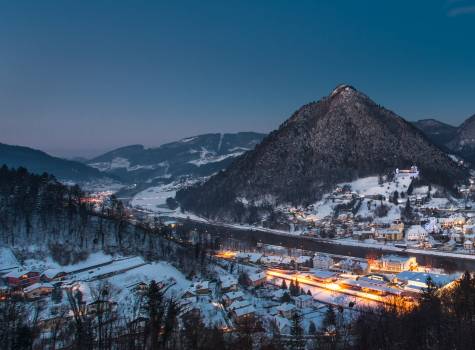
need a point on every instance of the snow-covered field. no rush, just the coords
(154, 198)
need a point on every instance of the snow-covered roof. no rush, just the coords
(282, 323)
(421, 277)
(233, 295)
(36, 286)
(50, 273)
(323, 274)
(257, 276)
(416, 229)
(245, 311)
(17, 273)
(302, 259)
(253, 257)
(304, 297)
(227, 281)
(285, 307)
(395, 258)
(239, 304)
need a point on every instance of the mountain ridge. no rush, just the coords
(200, 155)
(39, 162)
(343, 136)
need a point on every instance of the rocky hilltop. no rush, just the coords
(342, 137)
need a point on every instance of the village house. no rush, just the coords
(201, 288)
(257, 279)
(303, 301)
(468, 229)
(393, 263)
(468, 245)
(416, 233)
(52, 274)
(37, 290)
(283, 324)
(101, 306)
(393, 233)
(197, 289)
(238, 304)
(286, 310)
(352, 266)
(230, 297)
(412, 172)
(321, 261)
(243, 313)
(22, 278)
(304, 260)
(248, 257)
(228, 283)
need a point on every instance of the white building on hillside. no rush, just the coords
(416, 233)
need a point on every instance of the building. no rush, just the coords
(323, 276)
(286, 310)
(22, 278)
(37, 290)
(257, 279)
(416, 233)
(228, 283)
(283, 324)
(303, 301)
(52, 274)
(248, 257)
(230, 297)
(412, 172)
(468, 244)
(201, 288)
(393, 233)
(244, 313)
(238, 304)
(416, 281)
(393, 263)
(322, 261)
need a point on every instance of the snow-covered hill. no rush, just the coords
(195, 157)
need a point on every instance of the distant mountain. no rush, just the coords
(457, 140)
(340, 138)
(196, 156)
(463, 142)
(438, 132)
(39, 162)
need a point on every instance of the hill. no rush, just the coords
(196, 156)
(40, 162)
(342, 137)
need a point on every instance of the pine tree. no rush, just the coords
(283, 285)
(297, 341)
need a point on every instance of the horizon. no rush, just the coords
(84, 79)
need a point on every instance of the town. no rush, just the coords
(268, 284)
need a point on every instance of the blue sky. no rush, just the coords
(82, 77)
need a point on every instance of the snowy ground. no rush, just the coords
(8, 261)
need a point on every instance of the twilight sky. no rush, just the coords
(83, 77)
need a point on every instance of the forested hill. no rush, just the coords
(26, 198)
(38, 162)
(39, 212)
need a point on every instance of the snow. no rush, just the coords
(207, 157)
(123, 163)
(188, 139)
(370, 186)
(8, 260)
(154, 198)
